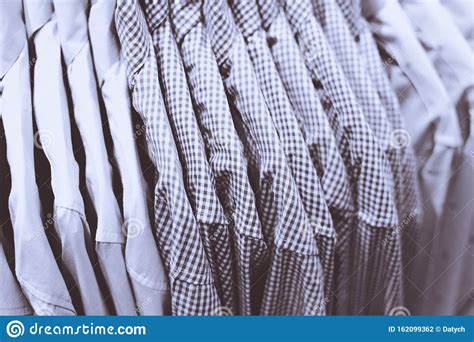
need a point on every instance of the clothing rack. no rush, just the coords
(266, 157)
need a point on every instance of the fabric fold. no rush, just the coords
(321, 143)
(143, 261)
(376, 283)
(453, 60)
(198, 179)
(109, 236)
(35, 267)
(223, 147)
(54, 133)
(193, 291)
(284, 119)
(11, 35)
(435, 132)
(461, 12)
(406, 182)
(293, 269)
(12, 298)
(347, 51)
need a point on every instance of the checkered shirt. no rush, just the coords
(192, 287)
(198, 178)
(407, 191)
(269, 10)
(320, 141)
(284, 119)
(352, 13)
(294, 271)
(367, 167)
(345, 48)
(224, 149)
(405, 185)
(339, 33)
(339, 36)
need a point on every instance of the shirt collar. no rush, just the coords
(297, 12)
(246, 16)
(37, 13)
(269, 11)
(184, 16)
(352, 13)
(134, 36)
(103, 36)
(220, 28)
(12, 34)
(156, 11)
(72, 27)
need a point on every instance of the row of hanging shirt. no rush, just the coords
(285, 181)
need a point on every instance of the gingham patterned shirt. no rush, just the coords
(376, 280)
(320, 141)
(346, 49)
(352, 13)
(284, 119)
(339, 36)
(374, 65)
(407, 192)
(192, 287)
(342, 42)
(198, 179)
(356, 66)
(293, 273)
(224, 149)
